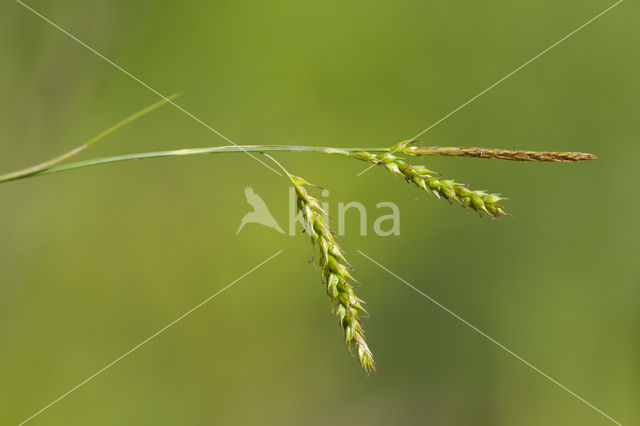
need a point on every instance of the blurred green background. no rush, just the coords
(94, 261)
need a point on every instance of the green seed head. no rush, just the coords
(429, 181)
(336, 274)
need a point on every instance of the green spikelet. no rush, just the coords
(431, 182)
(335, 274)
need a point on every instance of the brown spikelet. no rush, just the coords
(502, 154)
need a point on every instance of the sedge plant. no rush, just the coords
(336, 273)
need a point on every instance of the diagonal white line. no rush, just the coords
(64, 395)
(492, 340)
(508, 75)
(127, 73)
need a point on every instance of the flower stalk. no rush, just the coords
(336, 272)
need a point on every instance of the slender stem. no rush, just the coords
(52, 166)
(49, 164)
(195, 151)
(279, 165)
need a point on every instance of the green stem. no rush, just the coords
(50, 164)
(185, 152)
(54, 166)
